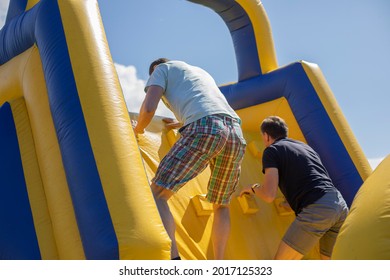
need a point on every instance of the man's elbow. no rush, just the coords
(150, 109)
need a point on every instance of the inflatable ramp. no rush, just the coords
(75, 180)
(257, 227)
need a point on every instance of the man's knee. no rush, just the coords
(286, 252)
(220, 207)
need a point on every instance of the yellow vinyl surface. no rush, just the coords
(257, 226)
(365, 235)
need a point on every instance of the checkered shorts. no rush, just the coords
(216, 140)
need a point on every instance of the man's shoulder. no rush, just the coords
(289, 141)
(173, 66)
(175, 63)
(289, 144)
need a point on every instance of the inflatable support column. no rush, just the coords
(85, 194)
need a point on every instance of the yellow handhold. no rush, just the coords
(202, 206)
(282, 211)
(248, 204)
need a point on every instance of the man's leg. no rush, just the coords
(285, 252)
(161, 197)
(225, 173)
(221, 230)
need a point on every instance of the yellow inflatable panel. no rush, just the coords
(257, 226)
(23, 77)
(365, 234)
(65, 210)
(82, 178)
(330, 104)
(33, 179)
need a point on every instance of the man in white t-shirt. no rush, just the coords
(211, 134)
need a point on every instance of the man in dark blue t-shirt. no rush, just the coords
(298, 171)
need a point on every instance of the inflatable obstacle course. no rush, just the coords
(75, 180)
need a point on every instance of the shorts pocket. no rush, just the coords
(238, 132)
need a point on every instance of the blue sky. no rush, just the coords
(348, 39)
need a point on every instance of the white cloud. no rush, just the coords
(133, 90)
(3, 11)
(374, 162)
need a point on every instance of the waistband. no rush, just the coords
(227, 119)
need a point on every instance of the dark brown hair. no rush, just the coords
(155, 63)
(275, 127)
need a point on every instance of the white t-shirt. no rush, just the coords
(189, 91)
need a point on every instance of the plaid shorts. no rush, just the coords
(216, 140)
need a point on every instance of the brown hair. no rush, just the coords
(275, 127)
(155, 63)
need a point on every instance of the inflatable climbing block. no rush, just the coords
(248, 204)
(202, 206)
(281, 210)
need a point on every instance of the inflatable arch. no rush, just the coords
(75, 181)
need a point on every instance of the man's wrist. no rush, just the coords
(139, 131)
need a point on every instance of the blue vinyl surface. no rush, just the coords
(18, 240)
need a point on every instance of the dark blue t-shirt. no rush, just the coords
(302, 177)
